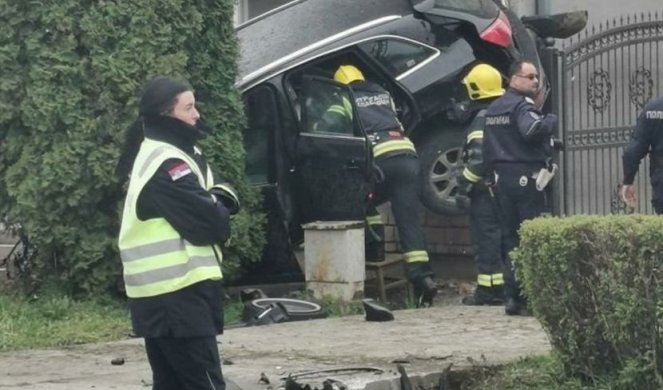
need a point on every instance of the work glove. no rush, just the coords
(556, 143)
(227, 195)
(549, 123)
(545, 176)
(463, 194)
(463, 202)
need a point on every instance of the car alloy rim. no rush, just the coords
(444, 173)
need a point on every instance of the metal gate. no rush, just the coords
(600, 82)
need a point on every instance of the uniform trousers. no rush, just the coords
(185, 363)
(485, 231)
(401, 188)
(519, 200)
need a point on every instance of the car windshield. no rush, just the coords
(480, 8)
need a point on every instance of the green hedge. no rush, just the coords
(71, 73)
(596, 285)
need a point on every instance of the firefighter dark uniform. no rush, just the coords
(396, 158)
(647, 138)
(517, 145)
(484, 221)
(484, 85)
(172, 225)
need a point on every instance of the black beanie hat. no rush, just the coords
(158, 94)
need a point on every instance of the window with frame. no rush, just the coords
(397, 55)
(262, 117)
(327, 109)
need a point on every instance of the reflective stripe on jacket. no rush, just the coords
(474, 170)
(155, 258)
(378, 117)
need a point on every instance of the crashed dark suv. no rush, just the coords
(418, 50)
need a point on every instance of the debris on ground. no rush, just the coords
(376, 312)
(263, 379)
(117, 361)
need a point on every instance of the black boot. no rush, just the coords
(375, 251)
(421, 277)
(516, 307)
(485, 296)
(512, 307)
(424, 291)
(374, 242)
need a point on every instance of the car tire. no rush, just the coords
(296, 309)
(440, 157)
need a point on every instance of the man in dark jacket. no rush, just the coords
(647, 139)
(484, 84)
(396, 158)
(174, 220)
(517, 150)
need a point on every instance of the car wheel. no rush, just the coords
(440, 156)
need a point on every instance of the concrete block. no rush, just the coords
(347, 291)
(334, 264)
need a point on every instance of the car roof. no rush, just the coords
(298, 27)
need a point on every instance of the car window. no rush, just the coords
(327, 108)
(480, 8)
(262, 117)
(396, 55)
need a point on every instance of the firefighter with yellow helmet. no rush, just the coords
(484, 84)
(396, 159)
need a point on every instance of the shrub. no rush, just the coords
(71, 73)
(595, 283)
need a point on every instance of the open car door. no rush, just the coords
(333, 158)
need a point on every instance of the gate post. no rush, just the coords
(550, 58)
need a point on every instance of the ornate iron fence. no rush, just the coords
(600, 81)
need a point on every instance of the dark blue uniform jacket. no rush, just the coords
(516, 133)
(647, 138)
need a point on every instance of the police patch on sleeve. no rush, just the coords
(179, 170)
(534, 115)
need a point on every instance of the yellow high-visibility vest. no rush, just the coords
(156, 260)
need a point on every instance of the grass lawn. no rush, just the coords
(56, 320)
(541, 372)
(50, 321)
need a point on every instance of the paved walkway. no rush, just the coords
(424, 341)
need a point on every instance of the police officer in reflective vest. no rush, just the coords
(174, 219)
(484, 84)
(647, 138)
(396, 158)
(517, 149)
